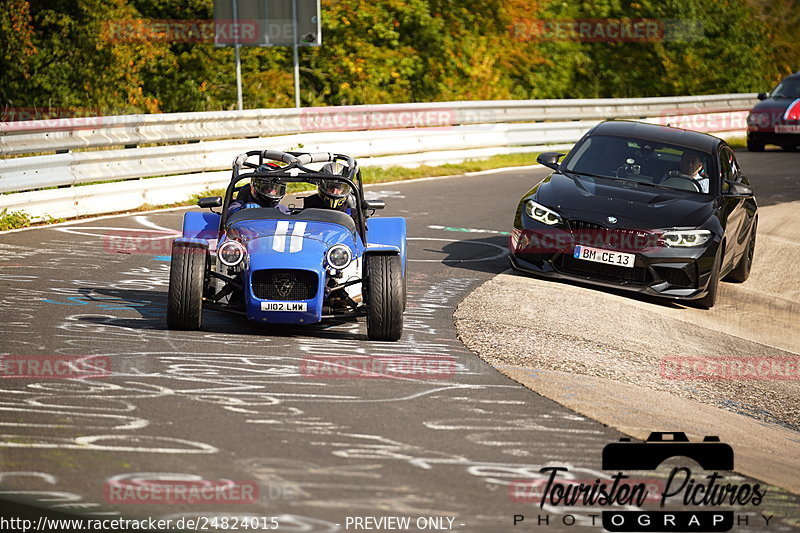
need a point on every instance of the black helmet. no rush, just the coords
(334, 193)
(267, 190)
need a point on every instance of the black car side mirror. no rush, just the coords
(738, 190)
(210, 201)
(374, 204)
(549, 159)
(762, 96)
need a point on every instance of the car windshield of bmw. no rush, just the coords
(641, 162)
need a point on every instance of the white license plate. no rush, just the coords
(787, 128)
(283, 306)
(607, 257)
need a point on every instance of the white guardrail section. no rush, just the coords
(404, 135)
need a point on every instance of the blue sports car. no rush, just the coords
(291, 265)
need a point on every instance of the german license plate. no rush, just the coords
(607, 257)
(283, 306)
(787, 128)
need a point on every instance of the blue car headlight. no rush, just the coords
(231, 253)
(339, 256)
(542, 214)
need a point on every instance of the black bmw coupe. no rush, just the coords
(650, 208)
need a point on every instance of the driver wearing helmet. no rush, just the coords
(331, 194)
(264, 191)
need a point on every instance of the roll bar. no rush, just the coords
(295, 171)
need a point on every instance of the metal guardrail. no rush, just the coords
(133, 130)
(407, 134)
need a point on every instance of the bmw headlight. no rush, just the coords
(686, 238)
(542, 214)
(339, 256)
(231, 253)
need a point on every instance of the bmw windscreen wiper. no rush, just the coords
(587, 174)
(649, 183)
(617, 178)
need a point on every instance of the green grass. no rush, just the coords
(14, 219)
(382, 175)
(20, 219)
(738, 142)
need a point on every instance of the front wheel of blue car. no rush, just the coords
(186, 280)
(386, 298)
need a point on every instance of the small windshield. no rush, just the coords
(641, 162)
(788, 88)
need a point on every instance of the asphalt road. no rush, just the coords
(236, 401)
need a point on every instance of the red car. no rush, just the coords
(776, 118)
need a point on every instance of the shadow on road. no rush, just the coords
(151, 306)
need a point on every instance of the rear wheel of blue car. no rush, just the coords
(386, 298)
(186, 280)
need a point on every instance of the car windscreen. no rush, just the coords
(641, 162)
(788, 88)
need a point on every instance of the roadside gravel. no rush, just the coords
(586, 346)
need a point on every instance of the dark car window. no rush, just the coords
(725, 168)
(735, 168)
(641, 161)
(730, 171)
(788, 88)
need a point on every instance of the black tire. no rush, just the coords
(708, 301)
(405, 289)
(742, 270)
(790, 148)
(753, 146)
(186, 281)
(386, 298)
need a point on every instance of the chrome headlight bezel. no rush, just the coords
(236, 245)
(685, 238)
(542, 214)
(339, 265)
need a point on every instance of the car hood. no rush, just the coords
(278, 234)
(594, 200)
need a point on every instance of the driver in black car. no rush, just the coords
(331, 194)
(692, 166)
(262, 192)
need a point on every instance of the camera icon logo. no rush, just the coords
(711, 454)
